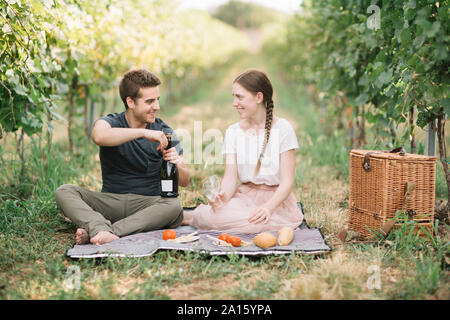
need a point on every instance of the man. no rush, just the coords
(132, 146)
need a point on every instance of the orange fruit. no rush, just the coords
(235, 241)
(169, 234)
(224, 237)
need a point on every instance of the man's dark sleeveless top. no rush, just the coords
(133, 167)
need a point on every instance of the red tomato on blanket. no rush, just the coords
(224, 237)
(169, 234)
(235, 241)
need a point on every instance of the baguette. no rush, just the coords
(285, 236)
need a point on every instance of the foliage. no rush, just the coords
(29, 68)
(246, 15)
(398, 65)
(384, 62)
(56, 50)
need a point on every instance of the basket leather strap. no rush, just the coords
(387, 227)
(399, 150)
(410, 186)
(366, 163)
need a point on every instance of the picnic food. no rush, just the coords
(219, 242)
(185, 239)
(285, 236)
(224, 237)
(265, 240)
(235, 241)
(169, 234)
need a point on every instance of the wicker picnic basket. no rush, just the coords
(382, 182)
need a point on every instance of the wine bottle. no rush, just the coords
(169, 175)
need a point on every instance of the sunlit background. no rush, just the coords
(286, 6)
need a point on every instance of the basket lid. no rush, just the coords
(383, 154)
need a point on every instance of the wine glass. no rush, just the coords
(211, 187)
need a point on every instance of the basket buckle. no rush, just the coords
(411, 213)
(366, 164)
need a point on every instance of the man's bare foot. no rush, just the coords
(82, 237)
(103, 237)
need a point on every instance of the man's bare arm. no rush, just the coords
(105, 136)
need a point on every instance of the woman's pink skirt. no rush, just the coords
(234, 214)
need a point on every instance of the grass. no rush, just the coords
(34, 235)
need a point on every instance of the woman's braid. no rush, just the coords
(268, 126)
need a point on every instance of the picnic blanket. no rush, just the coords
(306, 241)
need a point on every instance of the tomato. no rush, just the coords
(169, 234)
(224, 237)
(235, 241)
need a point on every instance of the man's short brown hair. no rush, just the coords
(134, 80)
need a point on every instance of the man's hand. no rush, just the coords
(171, 155)
(157, 136)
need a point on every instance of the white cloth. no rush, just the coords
(248, 146)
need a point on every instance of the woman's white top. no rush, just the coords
(247, 146)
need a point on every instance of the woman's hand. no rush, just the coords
(171, 155)
(217, 201)
(260, 214)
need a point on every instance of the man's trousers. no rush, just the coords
(120, 214)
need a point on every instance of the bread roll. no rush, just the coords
(265, 240)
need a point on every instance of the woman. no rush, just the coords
(259, 151)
